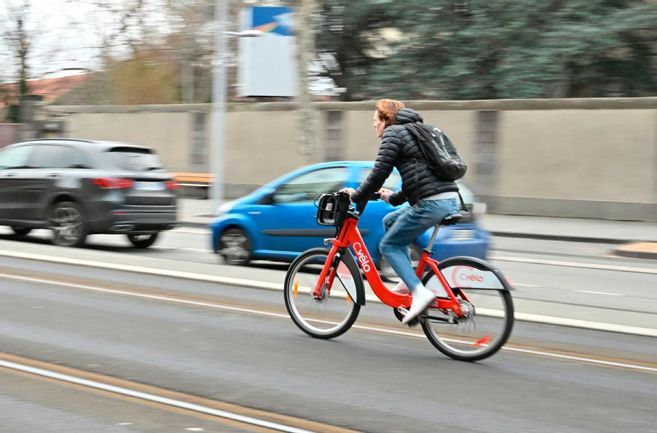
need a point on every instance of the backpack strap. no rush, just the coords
(440, 137)
(420, 134)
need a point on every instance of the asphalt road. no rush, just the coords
(236, 345)
(558, 278)
(30, 403)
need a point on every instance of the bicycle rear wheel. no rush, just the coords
(484, 296)
(332, 312)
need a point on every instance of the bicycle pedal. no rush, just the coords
(401, 312)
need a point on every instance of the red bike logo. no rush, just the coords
(362, 258)
(464, 275)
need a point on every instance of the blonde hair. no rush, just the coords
(387, 110)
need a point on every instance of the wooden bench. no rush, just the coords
(193, 184)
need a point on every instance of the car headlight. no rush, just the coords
(225, 208)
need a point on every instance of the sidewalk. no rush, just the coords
(634, 239)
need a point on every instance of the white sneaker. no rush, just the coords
(422, 298)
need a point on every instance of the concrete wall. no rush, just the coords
(262, 145)
(168, 132)
(555, 161)
(585, 158)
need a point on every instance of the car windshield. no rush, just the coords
(311, 185)
(135, 159)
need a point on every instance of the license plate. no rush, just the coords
(463, 235)
(149, 186)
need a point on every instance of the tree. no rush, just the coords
(191, 42)
(482, 49)
(148, 77)
(349, 42)
(521, 49)
(19, 39)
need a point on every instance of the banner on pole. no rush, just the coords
(267, 64)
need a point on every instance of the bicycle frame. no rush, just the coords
(350, 236)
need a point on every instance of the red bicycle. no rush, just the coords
(471, 318)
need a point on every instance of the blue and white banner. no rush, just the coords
(267, 65)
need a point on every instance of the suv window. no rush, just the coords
(15, 157)
(311, 185)
(135, 159)
(56, 156)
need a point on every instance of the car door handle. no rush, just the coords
(54, 175)
(255, 213)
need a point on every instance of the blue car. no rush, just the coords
(277, 221)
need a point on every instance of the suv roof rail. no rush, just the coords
(58, 139)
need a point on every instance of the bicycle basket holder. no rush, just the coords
(331, 209)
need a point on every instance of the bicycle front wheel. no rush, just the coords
(329, 313)
(483, 294)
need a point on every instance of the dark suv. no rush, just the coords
(81, 187)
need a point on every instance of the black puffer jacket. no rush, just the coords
(399, 149)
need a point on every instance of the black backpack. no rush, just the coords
(438, 151)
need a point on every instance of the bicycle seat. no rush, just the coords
(451, 219)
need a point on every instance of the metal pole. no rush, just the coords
(306, 48)
(218, 103)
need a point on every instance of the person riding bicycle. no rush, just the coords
(431, 199)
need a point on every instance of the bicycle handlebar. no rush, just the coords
(360, 206)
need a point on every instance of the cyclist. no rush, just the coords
(431, 199)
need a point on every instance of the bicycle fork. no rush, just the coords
(327, 275)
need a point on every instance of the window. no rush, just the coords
(76, 159)
(393, 181)
(135, 159)
(56, 156)
(309, 186)
(44, 156)
(15, 157)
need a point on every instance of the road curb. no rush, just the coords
(194, 224)
(540, 236)
(567, 238)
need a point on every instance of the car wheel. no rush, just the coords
(235, 247)
(21, 231)
(68, 224)
(144, 240)
(389, 274)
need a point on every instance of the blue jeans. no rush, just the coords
(403, 226)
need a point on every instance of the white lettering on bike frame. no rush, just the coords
(469, 277)
(347, 280)
(362, 257)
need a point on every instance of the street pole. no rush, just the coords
(306, 49)
(218, 104)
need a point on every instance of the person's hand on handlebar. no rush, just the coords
(349, 191)
(384, 194)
